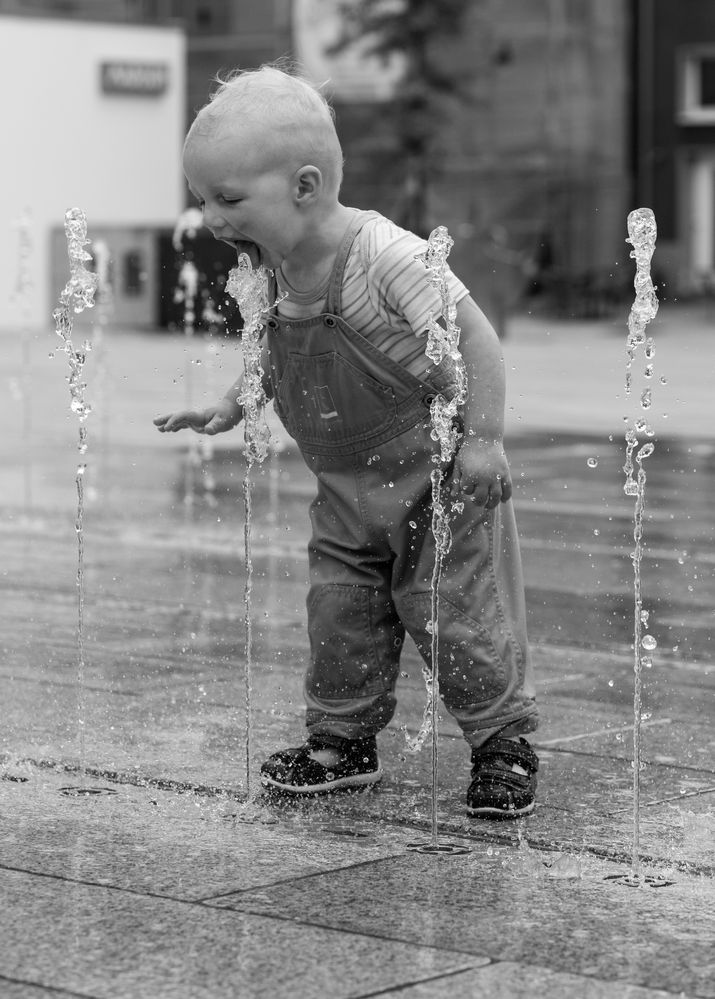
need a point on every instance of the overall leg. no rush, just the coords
(485, 672)
(356, 638)
(355, 633)
(484, 669)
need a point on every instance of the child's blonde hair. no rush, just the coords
(298, 121)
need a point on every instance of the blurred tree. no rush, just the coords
(416, 32)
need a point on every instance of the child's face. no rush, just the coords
(245, 200)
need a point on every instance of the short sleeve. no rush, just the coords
(397, 281)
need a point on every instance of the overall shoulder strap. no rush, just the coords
(335, 288)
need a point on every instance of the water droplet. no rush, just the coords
(596, 531)
(413, 524)
(663, 380)
(592, 462)
(646, 451)
(646, 662)
(649, 643)
(646, 399)
(610, 683)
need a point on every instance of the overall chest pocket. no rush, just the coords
(324, 399)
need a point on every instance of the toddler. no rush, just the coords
(345, 365)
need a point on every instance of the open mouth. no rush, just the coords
(250, 249)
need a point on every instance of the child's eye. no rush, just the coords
(230, 201)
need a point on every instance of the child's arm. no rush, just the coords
(227, 413)
(481, 470)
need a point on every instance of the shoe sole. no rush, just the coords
(500, 813)
(358, 781)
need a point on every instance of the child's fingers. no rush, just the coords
(173, 422)
(162, 423)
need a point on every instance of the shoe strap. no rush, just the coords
(506, 749)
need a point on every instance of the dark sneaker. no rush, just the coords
(296, 771)
(503, 779)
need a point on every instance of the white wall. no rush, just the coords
(64, 143)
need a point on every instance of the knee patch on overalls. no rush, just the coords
(355, 638)
(472, 669)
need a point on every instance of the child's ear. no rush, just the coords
(308, 184)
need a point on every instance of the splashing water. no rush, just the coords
(442, 347)
(78, 294)
(642, 232)
(187, 226)
(23, 295)
(249, 288)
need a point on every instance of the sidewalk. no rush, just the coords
(166, 883)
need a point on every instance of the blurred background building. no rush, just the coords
(529, 127)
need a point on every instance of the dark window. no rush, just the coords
(707, 82)
(134, 274)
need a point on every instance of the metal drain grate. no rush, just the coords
(86, 792)
(439, 849)
(635, 881)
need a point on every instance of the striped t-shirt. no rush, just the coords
(385, 295)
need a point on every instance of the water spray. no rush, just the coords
(249, 288)
(23, 295)
(187, 225)
(78, 295)
(642, 232)
(442, 345)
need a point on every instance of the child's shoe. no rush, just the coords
(503, 779)
(322, 765)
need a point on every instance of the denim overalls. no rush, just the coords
(362, 423)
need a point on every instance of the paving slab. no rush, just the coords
(488, 903)
(512, 980)
(175, 885)
(120, 944)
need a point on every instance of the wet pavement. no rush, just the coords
(165, 882)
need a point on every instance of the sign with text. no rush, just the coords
(142, 79)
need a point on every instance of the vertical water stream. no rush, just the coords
(642, 232)
(78, 294)
(249, 288)
(442, 343)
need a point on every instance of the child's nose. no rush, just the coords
(212, 219)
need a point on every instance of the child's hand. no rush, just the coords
(481, 473)
(214, 420)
